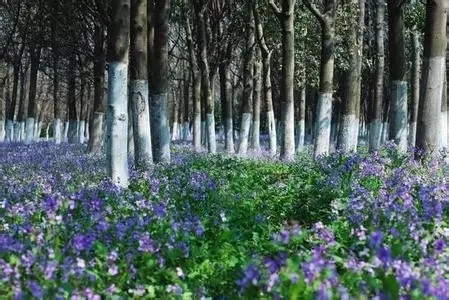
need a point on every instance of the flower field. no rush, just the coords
(216, 227)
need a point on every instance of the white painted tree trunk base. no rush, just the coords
(212, 145)
(72, 133)
(175, 131)
(301, 133)
(9, 131)
(255, 136)
(323, 124)
(29, 131)
(38, 130)
(375, 135)
(22, 131)
(185, 131)
(160, 128)
(141, 123)
(16, 135)
(385, 131)
(203, 133)
(229, 136)
(131, 146)
(272, 133)
(47, 132)
(2, 131)
(399, 114)
(81, 129)
(348, 131)
(412, 133)
(57, 131)
(97, 138)
(66, 131)
(86, 132)
(244, 134)
(117, 124)
(360, 134)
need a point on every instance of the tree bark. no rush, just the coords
(255, 136)
(434, 67)
(301, 117)
(35, 54)
(286, 18)
(117, 119)
(196, 84)
(139, 84)
(416, 64)
(443, 116)
(186, 94)
(71, 101)
(266, 80)
(57, 107)
(206, 82)
(160, 133)
(99, 108)
(324, 106)
(22, 113)
(248, 82)
(398, 99)
(348, 135)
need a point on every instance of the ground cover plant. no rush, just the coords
(222, 227)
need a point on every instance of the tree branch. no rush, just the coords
(275, 8)
(314, 10)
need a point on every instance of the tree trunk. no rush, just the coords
(57, 108)
(206, 83)
(35, 53)
(175, 124)
(5, 106)
(196, 84)
(99, 108)
(255, 136)
(83, 109)
(348, 134)
(286, 17)
(434, 68)
(266, 80)
(443, 116)
(248, 78)
(416, 63)
(185, 119)
(117, 119)
(11, 107)
(131, 146)
(139, 84)
(301, 117)
(398, 99)
(324, 106)
(160, 133)
(71, 101)
(21, 114)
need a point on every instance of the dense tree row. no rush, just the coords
(332, 73)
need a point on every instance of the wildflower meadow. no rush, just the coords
(360, 226)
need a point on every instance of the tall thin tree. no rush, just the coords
(398, 74)
(434, 68)
(160, 133)
(324, 107)
(286, 17)
(117, 119)
(139, 84)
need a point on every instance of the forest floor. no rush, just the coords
(217, 227)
